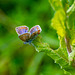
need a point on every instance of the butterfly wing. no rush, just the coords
(25, 37)
(34, 31)
(21, 30)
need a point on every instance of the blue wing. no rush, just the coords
(22, 29)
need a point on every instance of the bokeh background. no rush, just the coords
(17, 58)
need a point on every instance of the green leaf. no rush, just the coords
(60, 56)
(65, 4)
(56, 4)
(62, 42)
(71, 24)
(71, 9)
(58, 22)
(65, 30)
(72, 36)
(72, 58)
(71, 2)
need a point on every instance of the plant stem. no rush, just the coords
(69, 50)
(72, 8)
(67, 38)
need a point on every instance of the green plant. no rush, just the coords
(64, 23)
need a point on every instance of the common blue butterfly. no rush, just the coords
(28, 36)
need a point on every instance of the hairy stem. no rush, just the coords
(67, 38)
(69, 50)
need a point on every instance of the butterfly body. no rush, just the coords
(26, 36)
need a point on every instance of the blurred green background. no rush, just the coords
(17, 58)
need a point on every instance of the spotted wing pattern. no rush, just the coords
(34, 31)
(22, 29)
(26, 36)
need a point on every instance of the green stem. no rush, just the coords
(67, 38)
(72, 8)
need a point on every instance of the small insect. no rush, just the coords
(26, 36)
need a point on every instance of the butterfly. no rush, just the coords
(28, 36)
